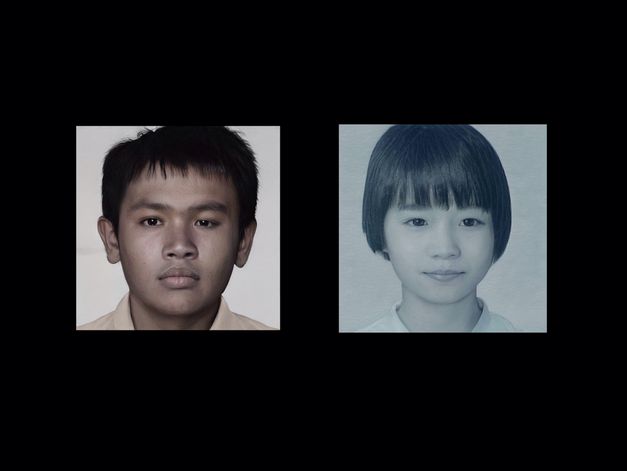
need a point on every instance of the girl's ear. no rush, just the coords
(384, 254)
(109, 239)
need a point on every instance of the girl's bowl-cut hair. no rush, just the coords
(430, 165)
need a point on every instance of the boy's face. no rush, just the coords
(178, 241)
(440, 256)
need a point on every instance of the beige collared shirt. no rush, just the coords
(120, 319)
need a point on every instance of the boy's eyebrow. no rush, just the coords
(208, 206)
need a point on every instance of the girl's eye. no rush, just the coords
(471, 222)
(151, 222)
(206, 223)
(416, 222)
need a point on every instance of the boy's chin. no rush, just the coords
(181, 309)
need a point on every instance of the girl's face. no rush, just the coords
(439, 255)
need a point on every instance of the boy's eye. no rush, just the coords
(471, 222)
(416, 222)
(151, 222)
(206, 223)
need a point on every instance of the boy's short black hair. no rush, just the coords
(429, 164)
(211, 150)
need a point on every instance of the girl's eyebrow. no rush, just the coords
(420, 207)
(413, 207)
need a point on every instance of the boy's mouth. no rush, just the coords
(178, 272)
(179, 278)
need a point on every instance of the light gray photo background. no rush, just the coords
(252, 290)
(515, 287)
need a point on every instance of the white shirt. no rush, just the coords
(120, 319)
(488, 322)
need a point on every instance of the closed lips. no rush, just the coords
(179, 272)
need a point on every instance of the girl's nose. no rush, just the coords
(444, 245)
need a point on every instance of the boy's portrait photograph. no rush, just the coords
(178, 227)
(443, 228)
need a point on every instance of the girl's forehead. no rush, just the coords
(433, 201)
(428, 196)
(433, 210)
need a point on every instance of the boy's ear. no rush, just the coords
(109, 239)
(245, 244)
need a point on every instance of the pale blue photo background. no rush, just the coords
(515, 287)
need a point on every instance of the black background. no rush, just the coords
(308, 352)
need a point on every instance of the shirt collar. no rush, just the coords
(122, 319)
(480, 326)
(484, 319)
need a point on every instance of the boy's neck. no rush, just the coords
(419, 315)
(145, 319)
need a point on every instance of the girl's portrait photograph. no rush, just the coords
(443, 228)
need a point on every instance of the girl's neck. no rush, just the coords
(420, 315)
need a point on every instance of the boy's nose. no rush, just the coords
(181, 252)
(180, 245)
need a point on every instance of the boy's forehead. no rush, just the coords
(179, 189)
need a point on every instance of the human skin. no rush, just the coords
(178, 240)
(421, 241)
